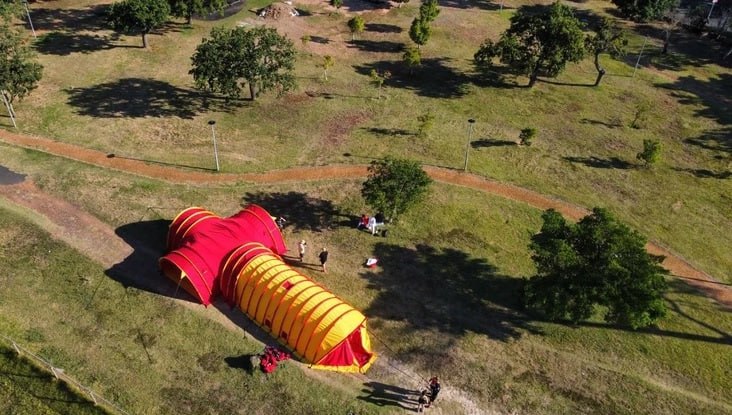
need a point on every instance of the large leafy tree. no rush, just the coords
(644, 10)
(537, 43)
(394, 186)
(610, 39)
(138, 16)
(596, 262)
(187, 8)
(259, 57)
(19, 72)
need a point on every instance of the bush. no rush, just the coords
(526, 136)
(651, 152)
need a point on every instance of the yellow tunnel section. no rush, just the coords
(315, 324)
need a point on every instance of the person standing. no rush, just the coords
(434, 390)
(301, 249)
(323, 258)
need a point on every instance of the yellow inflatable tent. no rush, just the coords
(318, 326)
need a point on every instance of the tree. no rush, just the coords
(644, 10)
(377, 79)
(336, 3)
(596, 262)
(357, 25)
(19, 73)
(420, 31)
(651, 153)
(412, 57)
(10, 9)
(429, 10)
(671, 20)
(187, 8)
(259, 57)
(138, 16)
(527, 135)
(328, 63)
(426, 123)
(537, 44)
(609, 39)
(394, 186)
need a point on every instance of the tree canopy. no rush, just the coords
(537, 43)
(19, 72)
(138, 16)
(596, 262)
(394, 186)
(259, 57)
(644, 10)
(357, 25)
(187, 8)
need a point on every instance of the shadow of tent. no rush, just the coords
(140, 269)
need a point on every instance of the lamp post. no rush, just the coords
(30, 22)
(467, 145)
(216, 150)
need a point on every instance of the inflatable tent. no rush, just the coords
(239, 257)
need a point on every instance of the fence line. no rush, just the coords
(59, 374)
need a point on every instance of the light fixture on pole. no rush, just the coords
(216, 150)
(467, 145)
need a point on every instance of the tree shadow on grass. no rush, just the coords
(137, 98)
(66, 43)
(707, 174)
(613, 123)
(445, 290)
(301, 211)
(384, 46)
(474, 4)
(601, 163)
(488, 142)
(712, 99)
(433, 78)
(383, 28)
(382, 394)
(389, 131)
(92, 18)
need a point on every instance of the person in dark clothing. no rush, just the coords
(434, 389)
(423, 400)
(323, 256)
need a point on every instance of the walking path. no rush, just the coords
(30, 197)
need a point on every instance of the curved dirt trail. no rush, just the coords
(678, 267)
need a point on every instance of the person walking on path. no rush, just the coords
(422, 401)
(301, 249)
(434, 390)
(323, 258)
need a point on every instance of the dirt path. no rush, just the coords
(83, 237)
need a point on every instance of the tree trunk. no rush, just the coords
(600, 74)
(10, 109)
(144, 40)
(600, 69)
(727, 54)
(252, 91)
(666, 41)
(532, 78)
(189, 18)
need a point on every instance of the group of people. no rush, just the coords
(322, 256)
(372, 223)
(427, 396)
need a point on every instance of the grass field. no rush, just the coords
(446, 299)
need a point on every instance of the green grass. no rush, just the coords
(445, 301)
(140, 103)
(26, 388)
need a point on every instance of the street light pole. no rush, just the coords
(30, 22)
(216, 150)
(467, 145)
